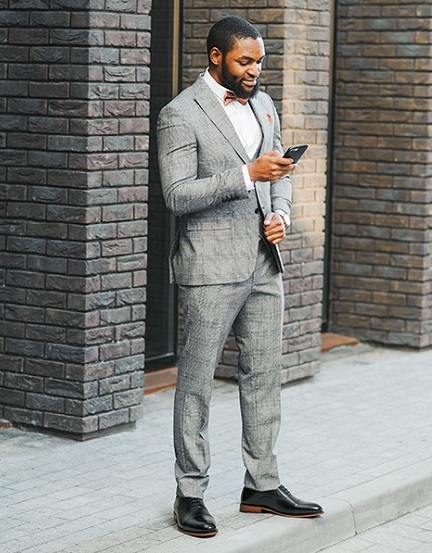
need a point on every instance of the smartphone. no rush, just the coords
(295, 152)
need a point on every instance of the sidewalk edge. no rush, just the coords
(348, 513)
(390, 496)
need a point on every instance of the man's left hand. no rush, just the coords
(274, 228)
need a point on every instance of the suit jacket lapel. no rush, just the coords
(261, 115)
(211, 106)
(263, 119)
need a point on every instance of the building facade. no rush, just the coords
(85, 303)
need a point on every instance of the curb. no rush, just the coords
(348, 513)
(5, 424)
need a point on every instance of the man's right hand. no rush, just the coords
(270, 166)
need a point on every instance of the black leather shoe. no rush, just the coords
(192, 517)
(278, 502)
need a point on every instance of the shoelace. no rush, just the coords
(285, 491)
(195, 502)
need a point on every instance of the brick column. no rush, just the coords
(296, 76)
(73, 165)
(382, 272)
(305, 64)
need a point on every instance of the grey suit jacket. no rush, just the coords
(200, 161)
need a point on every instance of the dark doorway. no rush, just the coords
(161, 317)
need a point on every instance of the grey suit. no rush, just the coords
(227, 277)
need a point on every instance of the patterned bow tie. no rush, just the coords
(230, 97)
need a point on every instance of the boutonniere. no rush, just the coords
(269, 118)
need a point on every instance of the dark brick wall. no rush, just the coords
(73, 173)
(382, 241)
(296, 75)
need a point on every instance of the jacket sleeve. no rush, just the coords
(280, 190)
(184, 189)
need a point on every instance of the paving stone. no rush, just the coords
(352, 427)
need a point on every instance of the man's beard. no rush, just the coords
(236, 87)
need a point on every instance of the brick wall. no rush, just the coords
(296, 75)
(305, 94)
(382, 242)
(73, 173)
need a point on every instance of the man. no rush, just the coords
(223, 174)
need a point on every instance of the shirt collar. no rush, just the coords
(217, 88)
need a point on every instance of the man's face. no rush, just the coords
(240, 68)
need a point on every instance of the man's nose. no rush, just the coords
(255, 69)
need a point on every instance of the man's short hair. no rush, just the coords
(226, 31)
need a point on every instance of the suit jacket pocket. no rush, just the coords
(215, 251)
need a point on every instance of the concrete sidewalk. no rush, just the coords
(357, 438)
(411, 533)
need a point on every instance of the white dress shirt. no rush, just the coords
(248, 129)
(244, 122)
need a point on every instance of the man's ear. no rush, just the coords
(215, 56)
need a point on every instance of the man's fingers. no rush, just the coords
(274, 229)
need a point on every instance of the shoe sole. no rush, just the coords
(260, 509)
(195, 534)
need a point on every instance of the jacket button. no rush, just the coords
(257, 210)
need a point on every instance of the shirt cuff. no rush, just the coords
(250, 185)
(285, 217)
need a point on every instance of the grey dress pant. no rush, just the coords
(254, 310)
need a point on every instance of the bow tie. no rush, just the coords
(230, 97)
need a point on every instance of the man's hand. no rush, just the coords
(274, 228)
(270, 166)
